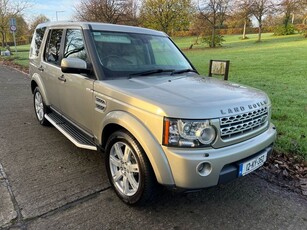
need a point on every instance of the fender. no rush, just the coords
(37, 79)
(148, 142)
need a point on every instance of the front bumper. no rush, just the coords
(224, 161)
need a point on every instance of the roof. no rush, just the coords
(104, 27)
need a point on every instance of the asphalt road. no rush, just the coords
(48, 183)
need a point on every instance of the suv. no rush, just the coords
(132, 93)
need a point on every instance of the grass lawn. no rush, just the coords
(277, 65)
(21, 57)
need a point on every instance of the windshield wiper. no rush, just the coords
(149, 72)
(183, 71)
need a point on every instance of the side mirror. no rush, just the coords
(74, 65)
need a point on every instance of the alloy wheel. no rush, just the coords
(39, 106)
(124, 168)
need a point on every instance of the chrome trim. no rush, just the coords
(237, 125)
(237, 135)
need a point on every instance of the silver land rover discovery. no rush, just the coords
(132, 93)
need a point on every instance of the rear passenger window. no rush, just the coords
(74, 45)
(36, 42)
(52, 51)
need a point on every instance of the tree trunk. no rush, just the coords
(213, 37)
(196, 41)
(244, 30)
(2, 34)
(4, 38)
(286, 21)
(259, 32)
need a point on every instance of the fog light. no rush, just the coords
(204, 168)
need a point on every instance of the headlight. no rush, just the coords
(188, 133)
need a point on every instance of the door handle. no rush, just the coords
(62, 78)
(41, 68)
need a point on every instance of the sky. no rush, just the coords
(64, 9)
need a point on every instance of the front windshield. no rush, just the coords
(129, 54)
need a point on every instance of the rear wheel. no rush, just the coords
(40, 107)
(128, 169)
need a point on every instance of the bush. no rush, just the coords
(218, 40)
(284, 30)
(302, 29)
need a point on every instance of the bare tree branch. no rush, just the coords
(109, 11)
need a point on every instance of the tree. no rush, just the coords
(260, 8)
(131, 16)
(166, 15)
(214, 12)
(22, 30)
(198, 27)
(243, 10)
(289, 8)
(9, 9)
(109, 11)
(37, 20)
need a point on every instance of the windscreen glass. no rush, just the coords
(127, 54)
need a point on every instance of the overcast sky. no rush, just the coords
(63, 8)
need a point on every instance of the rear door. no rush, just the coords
(50, 66)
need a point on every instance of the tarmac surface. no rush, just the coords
(48, 183)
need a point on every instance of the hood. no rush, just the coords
(190, 96)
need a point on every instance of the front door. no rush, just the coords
(77, 92)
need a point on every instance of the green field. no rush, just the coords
(21, 57)
(277, 65)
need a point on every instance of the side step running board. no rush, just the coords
(75, 135)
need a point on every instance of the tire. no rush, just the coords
(40, 108)
(129, 170)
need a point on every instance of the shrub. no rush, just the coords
(302, 29)
(218, 40)
(284, 30)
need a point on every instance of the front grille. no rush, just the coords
(236, 125)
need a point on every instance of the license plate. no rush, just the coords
(253, 164)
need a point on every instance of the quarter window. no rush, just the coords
(52, 51)
(37, 41)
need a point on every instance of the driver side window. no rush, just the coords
(52, 51)
(74, 45)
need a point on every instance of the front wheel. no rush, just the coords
(129, 170)
(40, 107)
